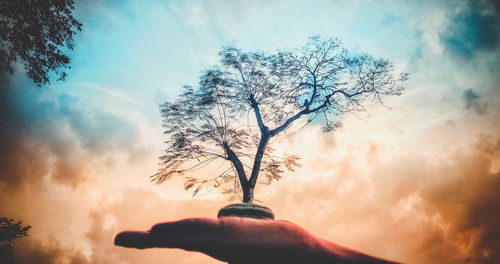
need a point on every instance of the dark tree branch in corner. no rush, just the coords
(34, 33)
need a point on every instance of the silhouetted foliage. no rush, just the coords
(34, 32)
(10, 230)
(320, 80)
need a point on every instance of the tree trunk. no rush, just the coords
(245, 185)
(256, 165)
(248, 185)
(247, 193)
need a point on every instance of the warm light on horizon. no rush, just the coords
(414, 180)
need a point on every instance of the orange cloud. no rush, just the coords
(434, 203)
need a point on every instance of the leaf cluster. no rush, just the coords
(9, 231)
(35, 33)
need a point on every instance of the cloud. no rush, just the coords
(130, 209)
(473, 102)
(464, 195)
(423, 210)
(472, 28)
(127, 213)
(393, 196)
(56, 136)
(439, 210)
(29, 251)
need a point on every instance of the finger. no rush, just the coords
(134, 239)
(219, 239)
(190, 234)
(195, 234)
(189, 228)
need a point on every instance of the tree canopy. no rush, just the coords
(250, 97)
(35, 33)
(10, 230)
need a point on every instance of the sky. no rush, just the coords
(414, 181)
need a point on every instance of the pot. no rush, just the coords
(246, 210)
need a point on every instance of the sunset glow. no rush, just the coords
(415, 180)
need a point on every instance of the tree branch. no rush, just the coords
(231, 156)
(258, 115)
(288, 122)
(306, 110)
(258, 157)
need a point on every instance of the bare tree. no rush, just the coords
(319, 81)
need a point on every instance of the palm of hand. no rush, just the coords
(243, 240)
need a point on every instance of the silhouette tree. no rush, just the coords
(10, 231)
(272, 92)
(34, 33)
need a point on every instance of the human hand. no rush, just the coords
(240, 240)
